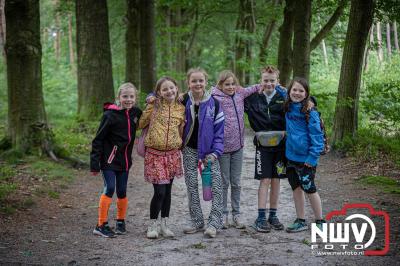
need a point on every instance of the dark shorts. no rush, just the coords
(301, 176)
(269, 163)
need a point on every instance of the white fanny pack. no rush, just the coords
(270, 138)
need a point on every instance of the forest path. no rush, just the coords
(59, 231)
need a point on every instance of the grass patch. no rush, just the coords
(387, 184)
(53, 194)
(49, 170)
(6, 189)
(6, 172)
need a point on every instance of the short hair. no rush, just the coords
(270, 69)
(224, 75)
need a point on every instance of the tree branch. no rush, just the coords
(328, 26)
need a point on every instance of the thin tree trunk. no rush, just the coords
(95, 82)
(165, 38)
(147, 45)
(267, 37)
(396, 40)
(285, 43)
(301, 39)
(250, 28)
(27, 117)
(2, 28)
(71, 44)
(388, 41)
(379, 40)
(323, 46)
(132, 42)
(346, 113)
(367, 50)
(57, 38)
(324, 31)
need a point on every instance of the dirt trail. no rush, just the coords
(59, 232)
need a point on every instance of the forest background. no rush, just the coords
(348, 49)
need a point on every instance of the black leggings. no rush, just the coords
(161, 200)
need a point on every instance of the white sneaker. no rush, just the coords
(191, 229)
(225, 224)
(210, 232)
(237, 222)
(152, 230)
(165, 231)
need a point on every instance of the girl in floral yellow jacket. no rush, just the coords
(163, 159)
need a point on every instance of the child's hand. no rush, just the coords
(94, 173)
(151, 99)
(307, 165)
(180, 97)
(210, 158)
(310, 105)
(260, 88)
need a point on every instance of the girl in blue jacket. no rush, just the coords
(203, 141)
(304, 143)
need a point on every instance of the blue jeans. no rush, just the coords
(115, 179)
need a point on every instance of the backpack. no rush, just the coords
(327, 147)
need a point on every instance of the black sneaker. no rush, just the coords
(275, 223)
(262, 226)
(120, 227)
(104, 230)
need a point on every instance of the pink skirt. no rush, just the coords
(162, 166)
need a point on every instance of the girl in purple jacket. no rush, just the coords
(231, 97)
(203, 142)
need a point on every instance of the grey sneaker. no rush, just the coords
(210, 232)
(237, 222)
(262, 226)
(275, 223)
(191, 229)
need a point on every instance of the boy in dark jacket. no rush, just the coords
(267, 118)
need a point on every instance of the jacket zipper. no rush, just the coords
(169, 117)
(129, 139)
(112, 155)
(237, 116)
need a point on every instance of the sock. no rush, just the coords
(301, 220)
(320, 221)
(272, 213)
(261, 214)
(122, 206)
(104, 205)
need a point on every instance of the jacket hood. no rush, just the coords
(206, 96)
(111, 106)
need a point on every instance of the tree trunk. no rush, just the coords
(57, 35)
(367, 50)
(250, 28)
(147, 45)
(324, 31)
(379, 40)
(388, 42)
(95, 82)
(165, 39)
(346, 113)
(285, 44)
(323, 46)
(71, 45)
(27, 117)
(132, 42)
(396, 40)
(301, 39)
(267, 37)
(2, 28)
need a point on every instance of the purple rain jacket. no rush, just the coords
(211, 125)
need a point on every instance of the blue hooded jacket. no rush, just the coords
(305, 140)
(211, 125)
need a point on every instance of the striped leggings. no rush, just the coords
(190, 161)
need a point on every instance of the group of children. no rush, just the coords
(200, 128)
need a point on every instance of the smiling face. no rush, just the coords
(297, 92)
(168, 91)
(229, 86)
(127, 98)
(268, 82)
(197, 83)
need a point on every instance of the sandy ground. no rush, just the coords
(59, 231)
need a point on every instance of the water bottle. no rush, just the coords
(206, 182)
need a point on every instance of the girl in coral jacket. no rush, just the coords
(111, 154)
(163, 159)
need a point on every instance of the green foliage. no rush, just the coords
(49, 170)
(6, 172)
(6, 189)
(387, 184)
